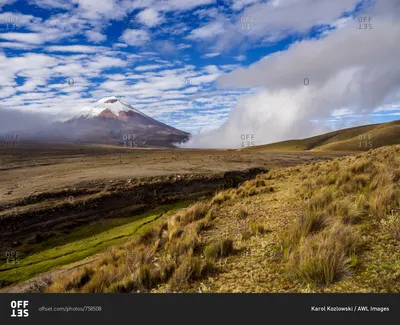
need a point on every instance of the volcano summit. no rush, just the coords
(113, 121)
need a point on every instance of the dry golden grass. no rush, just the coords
(169, 253)
(325, 257)
(333, 226)
(195, 212)
(256, 228)
(320, 245)
(221, 197)
(220, 249)
(391, 225)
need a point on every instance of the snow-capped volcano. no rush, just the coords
(113, 121)
(114, 105)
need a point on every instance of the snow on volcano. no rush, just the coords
(110, 119)
(113, 104)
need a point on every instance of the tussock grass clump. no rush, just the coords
(75, 281)
(194, 213)
(240, 192)
(361, 166)
(321, 200)
(256, 228)
(183, 246)
(245, 234)
(308, 223)
(346, 210)
(211, 215)
(391, 225)
(221, 197)
(148, 236)
(242, 213)
(125, 285)
(211, 252)
(226, 247)
(252, 191)
(192, 268)
(325, 257)
(202, 226)
(343, 179)
(382, 178)
(260, 183)
(221, 249)
(382, 202)
(101, 279)
(331, 179)
(174, 233)
(355, 184)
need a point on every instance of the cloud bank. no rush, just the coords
(347, 69)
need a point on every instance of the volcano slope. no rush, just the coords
(331, 226)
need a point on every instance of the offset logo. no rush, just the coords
(19, 308)
(247, 140)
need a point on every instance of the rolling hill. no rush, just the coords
(361, 138)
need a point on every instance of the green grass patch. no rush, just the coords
(74, 251)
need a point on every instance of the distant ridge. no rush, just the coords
(360, 138)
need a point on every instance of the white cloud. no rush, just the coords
(349, 70)
(6, 2)
(181, 5)
(95, 37)
(211, 55)
(17, 46)
(135, 37)
(183, 46)
(31, 38)
(208, 31)
(269, 22)
(240, 4)
(49, 4)
(150, 17)
(149, 67)
(240, 58)
(75, 48)
(118, 45)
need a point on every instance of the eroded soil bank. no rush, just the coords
(36, 218)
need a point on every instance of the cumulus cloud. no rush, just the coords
(135, 37)
(149, 17)
(208, 31)
(95, 36)
(349, 69)
(268, 21)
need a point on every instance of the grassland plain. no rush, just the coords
(34, 179)
(329, 226)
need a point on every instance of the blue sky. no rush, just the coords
(202, 64)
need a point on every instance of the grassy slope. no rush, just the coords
(341, 140)
(81, 243)
(330, 226)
